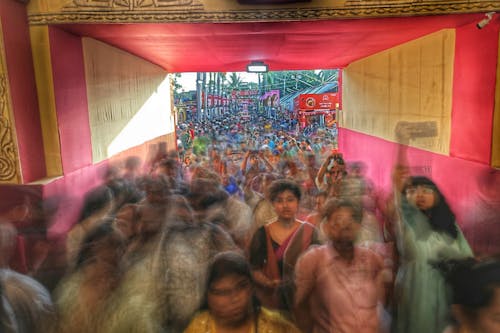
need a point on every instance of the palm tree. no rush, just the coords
(234, 81)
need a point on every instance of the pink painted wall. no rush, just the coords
(70, 190)
(23, 89)
(476, 203)
(470, 185)
(474, 92)
(71, 99)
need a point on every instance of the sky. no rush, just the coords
(188, 80)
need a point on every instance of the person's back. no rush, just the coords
(25, 305)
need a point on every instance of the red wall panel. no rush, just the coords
(474, 92)
(475, 202)
(71, 99)
(23, 89)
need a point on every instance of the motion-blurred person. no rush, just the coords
(340, 286)
(331, 174)
(211, 203)
(163, 289)
(152, 210)
(316, 216)
(426, 232)
(481, 223)
(25, 305)
(230, 301)
(98, 203)
(253, 164)
(84, 295)
(255, 196)
(476, 295)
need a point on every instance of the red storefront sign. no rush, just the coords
(328, 101)
(236, 93)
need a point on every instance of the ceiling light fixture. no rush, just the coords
(257, 67)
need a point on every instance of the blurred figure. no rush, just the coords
(262, 209)
(170, 168)
(476, 295)
(275, 247)
(253, 164)
(8, 235)
(132, 169)
(126, 221)
(331, 174)
(152, 210)
(84, 294)
(426, 233)
(339, 286)
(316, 216)
(25, 305)
(230, 301)
(163, 289)
(98, 203)
(481, 223)
(211, 203)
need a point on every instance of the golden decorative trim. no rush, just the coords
(8, 152)
(195, 13)
(9, 159)
(132, 5)
(42, 61)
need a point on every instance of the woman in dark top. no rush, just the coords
(276, 246)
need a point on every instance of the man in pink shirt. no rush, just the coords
(339, 286)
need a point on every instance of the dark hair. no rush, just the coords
(104, 232)
(25, 304)
(204, 193)
(334, 204)
(281, 185)
(472, 282)
(230, 263)
(440, 215)
(95, 200)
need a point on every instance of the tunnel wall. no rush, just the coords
(79, 172)
(464, 175)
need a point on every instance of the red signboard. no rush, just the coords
(310, 102)
(244, 92)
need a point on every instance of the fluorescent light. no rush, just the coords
(257, 67)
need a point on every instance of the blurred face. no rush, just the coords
(488, 318)
(155, 194)
(254, 160)
(107, 252)
(320, 200)
(124, 222)
(286, 204)
(230, 299)
(341, 227)
(422, 196)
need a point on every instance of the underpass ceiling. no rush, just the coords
(298, 45)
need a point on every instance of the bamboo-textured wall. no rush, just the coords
(411, 82)
(128, 98)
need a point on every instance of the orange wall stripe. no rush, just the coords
(40, 45)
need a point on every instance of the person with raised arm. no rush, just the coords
(426, 233)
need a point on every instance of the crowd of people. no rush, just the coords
(249, 227)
